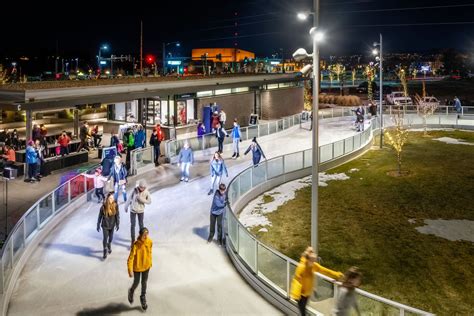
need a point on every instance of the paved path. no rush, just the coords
(66, 275)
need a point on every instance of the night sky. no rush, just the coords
(265, 27)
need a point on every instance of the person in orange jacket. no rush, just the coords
(139, 264)
(303, 281)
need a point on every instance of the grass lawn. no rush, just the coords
(364, 221)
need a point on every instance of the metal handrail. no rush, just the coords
(240, 227)
(39, 225)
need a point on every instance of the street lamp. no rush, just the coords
(299, 55)
(178, 44)
(103, 47)
(379, 44)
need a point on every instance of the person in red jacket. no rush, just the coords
(63, 142)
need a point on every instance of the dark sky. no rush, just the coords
(263, 26)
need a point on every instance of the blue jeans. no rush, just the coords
(116, 191)
(235, 143)
(185, 170)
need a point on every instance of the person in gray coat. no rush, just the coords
(347, 294)
(185, 159)
(140, 196)
(109, 218)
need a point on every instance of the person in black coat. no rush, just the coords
(109, 218)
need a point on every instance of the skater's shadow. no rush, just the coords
(202, 232)
(75, 250)
(119, 241)
(110, 309)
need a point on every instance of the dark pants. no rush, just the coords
(212, 228)
(83, 144)
(97, 140)
(32, 170)
(64, 150)
(302, 305)
(157, 153)
(99, 192)
(136, 280)
(108, 236)
(220, 142)
(256, 159)
(133, 222)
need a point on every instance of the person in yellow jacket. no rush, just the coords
(139, 264)
(303, 281)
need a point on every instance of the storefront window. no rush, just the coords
(124, 111)
(153, 112)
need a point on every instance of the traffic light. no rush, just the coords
(181, 70)
(150, 59)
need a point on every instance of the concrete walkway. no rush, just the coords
(67, 276)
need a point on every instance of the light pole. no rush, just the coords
(178, 44)
(299, 55)
(380, 86)
(103, 47)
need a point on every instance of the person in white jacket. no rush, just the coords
(140, 196)
(99, 182)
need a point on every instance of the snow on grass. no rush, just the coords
(449, 140)
(353, 170)
(453, 230)
(254, 213)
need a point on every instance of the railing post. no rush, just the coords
(258, 130)
(69, 192)
(288, 277)
(53, 201)
(11, 251)
(402, 312)
(256, 256)
(332, 147)
(37, 217)
(85, 184)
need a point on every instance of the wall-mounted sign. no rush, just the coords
(174, 62)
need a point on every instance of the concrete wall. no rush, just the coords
(238, 106)
(281, 102)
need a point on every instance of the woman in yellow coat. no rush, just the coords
(139, 264)
(303, 281)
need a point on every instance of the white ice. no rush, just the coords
(454, 141)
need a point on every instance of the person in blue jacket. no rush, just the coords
(257, 152)
(217, 212)
(32, 161)
(186, 159)
(118, 172)
(218, 169)
(236, 139)
(140, 137)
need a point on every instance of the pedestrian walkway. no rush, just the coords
(67, 276)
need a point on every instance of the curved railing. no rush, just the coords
(31, 224)
(270, 271)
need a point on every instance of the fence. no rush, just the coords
(141, 158)
(274, 269)
(34, 220)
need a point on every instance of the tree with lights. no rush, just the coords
(403, 80)
(397, 138)
(370, 74)
(353, 76)
(425, 109)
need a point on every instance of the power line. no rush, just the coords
(411, 24)
(407, 8)
(233, 37)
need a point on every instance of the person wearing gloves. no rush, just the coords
(236, 139)
(217, 212)
(302, 284)
(257, 152)
(140, 196)
(109, 218)
(139, 263)
(218, 168)
(186, 159)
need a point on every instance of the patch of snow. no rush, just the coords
(353, 170)
(449, 140)
(263, 230)
(453, 230)
(412, 220)
(254, 213)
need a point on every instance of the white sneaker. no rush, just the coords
(186, 180)
(181, 179)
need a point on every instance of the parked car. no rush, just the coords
(428, 101)
(398, 98)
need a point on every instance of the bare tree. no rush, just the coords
(397, 137)
(425, 109)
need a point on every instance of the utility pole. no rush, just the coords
(315, 151)
(141, 48)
